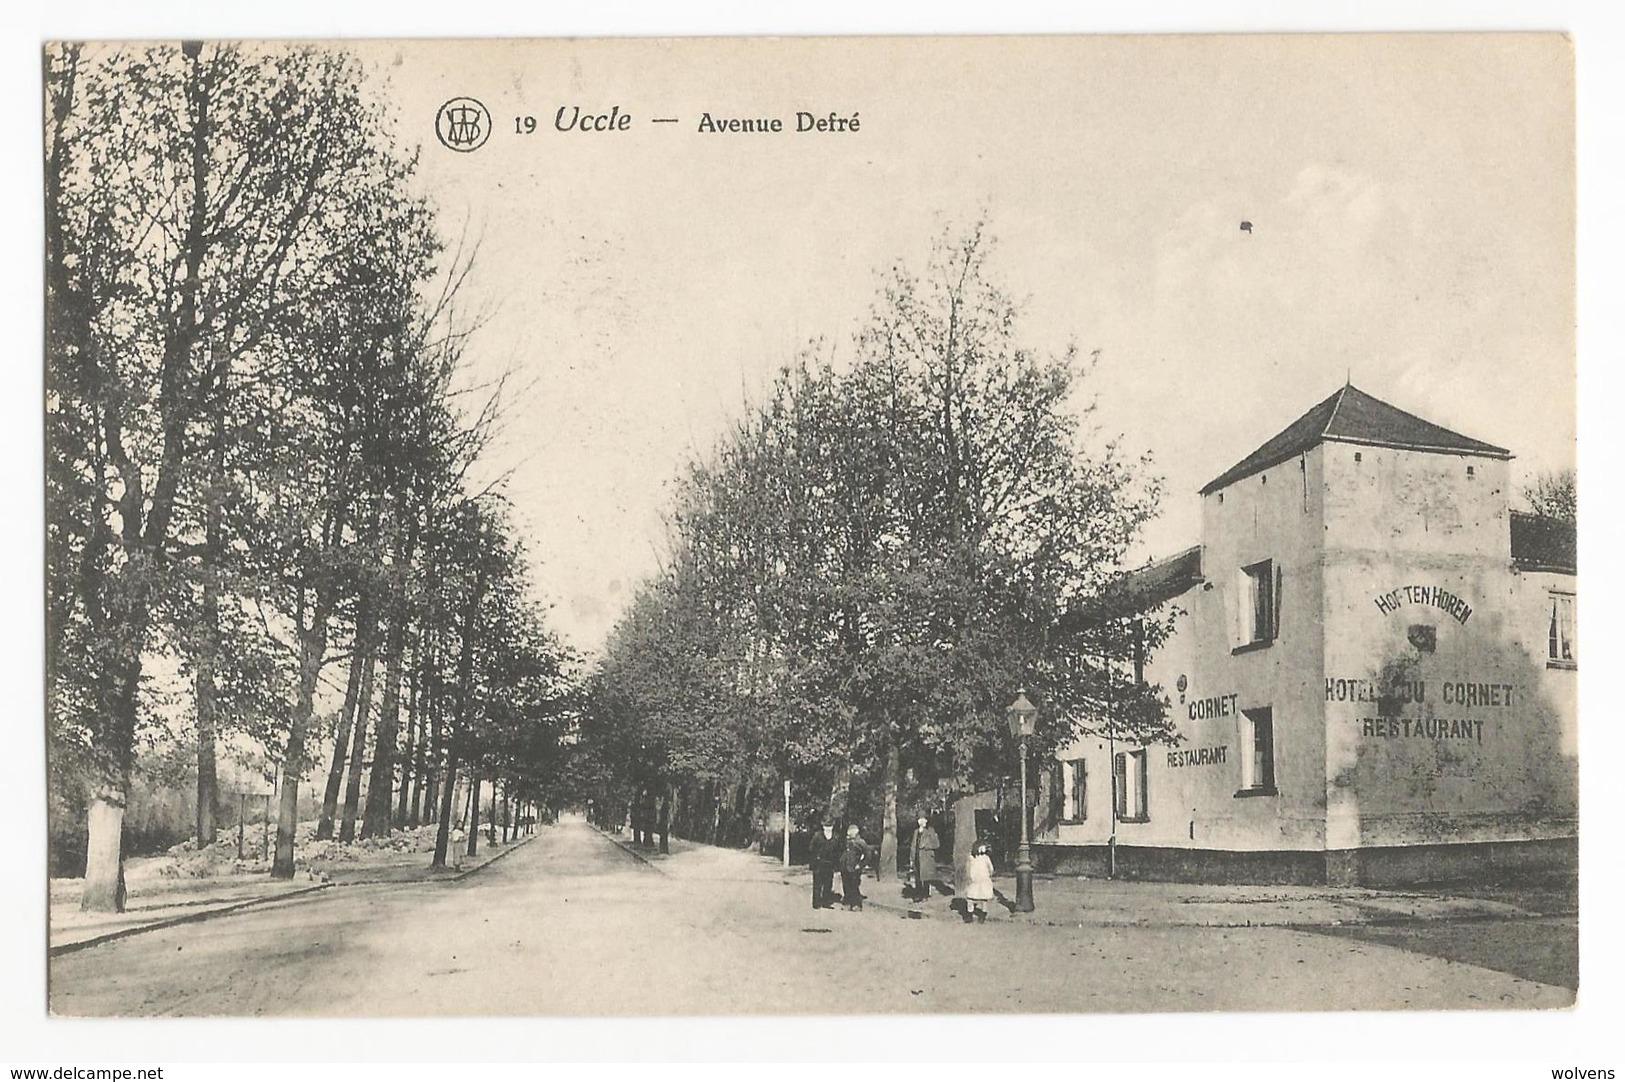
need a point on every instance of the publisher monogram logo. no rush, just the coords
(463, 125)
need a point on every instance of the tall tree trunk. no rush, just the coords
(381, 781)
(424, 801)
(207, 780)
(312, 646)
(442, 837)
(358, 745)
(341, 748)
(887, 871)
(425, 786)
(465, 678)
(209, 646)
(104, 860)
(474, 814)
(747, 811)
(411, 769)
(104, 889)
(379, 788)
(666, 800)
(145, 526)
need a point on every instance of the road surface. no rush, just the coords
(571, 924)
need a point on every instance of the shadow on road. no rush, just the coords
(1544, 949)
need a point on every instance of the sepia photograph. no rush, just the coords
(809, 526)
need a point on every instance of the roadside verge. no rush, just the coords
(187, 903)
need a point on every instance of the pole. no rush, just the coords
(1111, 761)
(265, 826)
(786, 822)
(1024, 855)
(242, 802)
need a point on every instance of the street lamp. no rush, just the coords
(1023, 715)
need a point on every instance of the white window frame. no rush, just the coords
(1562, 645)
(1130, 776)
(1074, 790)
(1257, 604)
(1257, 756)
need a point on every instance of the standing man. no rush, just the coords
(926, 844)
(855, 857)
(826, 852)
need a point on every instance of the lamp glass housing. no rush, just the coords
(1023, 716)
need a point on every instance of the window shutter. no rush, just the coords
(1120, 784)
(1275, 617)
(1268, 750)
(1142, 806)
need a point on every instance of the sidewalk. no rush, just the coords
(156, 900)
(1075, 902)
(1068, 901)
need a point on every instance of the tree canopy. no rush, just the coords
(874, 560)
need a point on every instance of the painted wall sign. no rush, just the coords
(1217, 706)
(1455, 692)
(1460, 693)
(1426, 728)
(1198, 756)
(1437, 596)
(1369, 691)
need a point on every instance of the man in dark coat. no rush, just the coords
(825, 854)
(855, 857)
(924, 853)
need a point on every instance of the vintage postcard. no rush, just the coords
(810, 526)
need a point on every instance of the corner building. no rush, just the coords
(1373, 668)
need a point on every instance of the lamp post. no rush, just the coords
(1022, 715)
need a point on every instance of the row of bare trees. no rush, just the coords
(865, 571)
(259, 442)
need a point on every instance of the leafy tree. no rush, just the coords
(256, 456)
(195, 199)
(1553, 494)
(867, 568)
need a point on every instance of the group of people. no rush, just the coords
(852, 855)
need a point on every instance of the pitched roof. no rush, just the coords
(1141, 590)
(1540, 543)
(1352, 416)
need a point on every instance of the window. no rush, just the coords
(1074, 792)
(1560, 645)
(1128, 786)
(1257, 608)
(1257, 739)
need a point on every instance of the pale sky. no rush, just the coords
(1411, 199)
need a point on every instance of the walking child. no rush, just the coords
(978, 884)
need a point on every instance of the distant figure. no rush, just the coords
(857, 856)
(826, 853)
(978, 884)
(1246, 227)
(924, 852)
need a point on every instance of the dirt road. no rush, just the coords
(570, 924)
